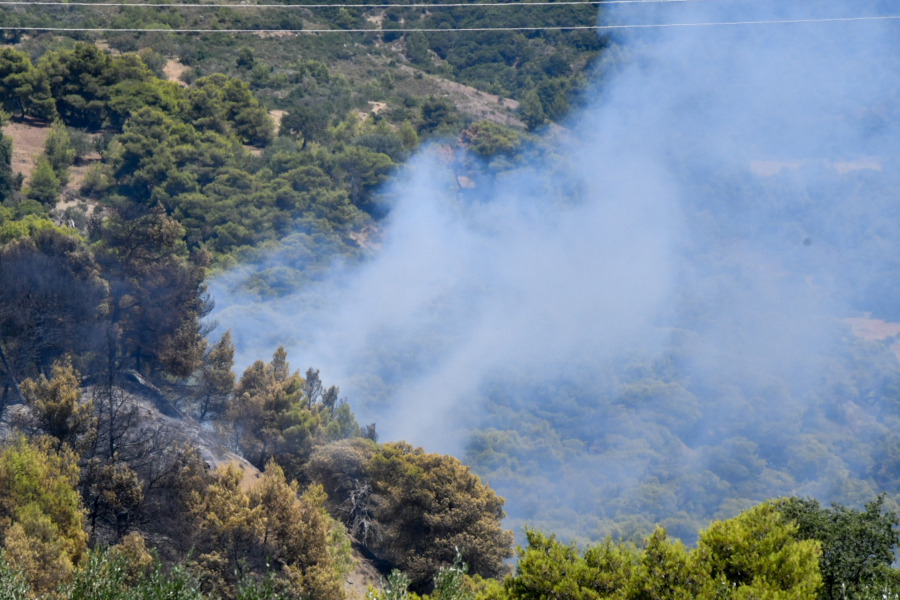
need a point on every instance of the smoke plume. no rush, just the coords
(643, 319)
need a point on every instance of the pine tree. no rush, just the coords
(44, 185)
(58, 150)
(757, 554)
(55, 407)
(408, 135)
(40, 516)
(532, 110)
(216, 380)
(24, 88)
(7, 179)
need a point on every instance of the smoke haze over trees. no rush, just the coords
(636, 286)
(640, 319)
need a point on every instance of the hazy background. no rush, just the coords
(644, 321)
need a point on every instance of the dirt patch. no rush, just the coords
(250, 474)
(104, 45)
(28, 143)
(174, 70)
(78, 171)
(277, 115)
(377, 107)
(275, 34)
(473, 101)
(367, 237)
(364, 575)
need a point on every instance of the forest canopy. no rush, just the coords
(146, 451)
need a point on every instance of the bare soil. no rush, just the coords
(470, 100)
(376, 19)
(28, 143)
(174, 70)
(251, 474)
(364, 575)
(79, 170)
(104, 45)
(277, 115)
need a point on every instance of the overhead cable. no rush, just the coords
(462, 29)
(412, 5)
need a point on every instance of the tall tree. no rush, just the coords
(82, 80)
(50, 298)
(44, 185)
(429, 506)
(56, 407)
(40, 513)
(857, 545)
(272, 527)
(306, 123)
(272, 417)
(532, 111)
(758, 555)
(7, 179)
(23, 88)
(59, 152)
(215, 380)
(157, 296)
(218, 103)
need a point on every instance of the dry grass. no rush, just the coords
(28, 143)
(465, 98)
(174, 70)
(276, 115)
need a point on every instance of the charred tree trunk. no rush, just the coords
(11, 375)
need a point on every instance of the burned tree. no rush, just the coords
(50, 300)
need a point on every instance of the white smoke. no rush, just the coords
(703, 183)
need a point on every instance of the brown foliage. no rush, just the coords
(276, 414)
(40, 514)
(341, 468)
(57, 409)
(242, 534)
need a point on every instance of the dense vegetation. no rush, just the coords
(543, 67)
(762, 553)
(95, 468)
(114, 399)
(136, 465)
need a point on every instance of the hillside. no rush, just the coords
(576, 315)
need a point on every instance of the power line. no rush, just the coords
(462, 30)
(413, 5)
